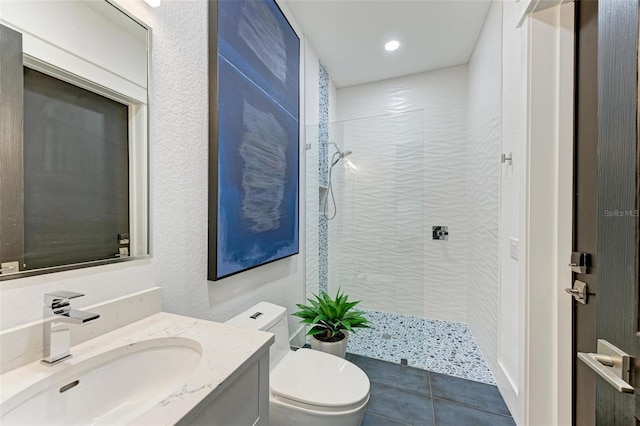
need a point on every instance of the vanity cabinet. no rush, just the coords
(245, 401)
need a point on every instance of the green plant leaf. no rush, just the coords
(319, 318)
(316, 330)
(331, 315)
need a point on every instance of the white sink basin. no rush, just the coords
(114, 387)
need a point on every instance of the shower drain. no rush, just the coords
(386, 336)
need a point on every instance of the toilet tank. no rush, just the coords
(267, 317)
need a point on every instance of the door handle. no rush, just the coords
(579, 291)
(612, 364)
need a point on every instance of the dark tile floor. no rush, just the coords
(402, 396)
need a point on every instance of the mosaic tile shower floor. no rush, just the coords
(439, 346)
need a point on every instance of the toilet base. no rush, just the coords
(281, 414)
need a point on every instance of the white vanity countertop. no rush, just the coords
(226, 352)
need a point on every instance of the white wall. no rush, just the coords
(312, 75)
(376, 250)
(497, 124)
(528, 345)
(178, 204)
(312, 118)
(314, 241)
(514, 136)
(442, 94)
(483, 187)
(97, 44)
(333, 101)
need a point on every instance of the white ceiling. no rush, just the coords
(349, 35)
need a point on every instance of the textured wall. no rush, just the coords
(514, 135)
(321, 108)
(178, 185)
(312, 256)
(483, 184)
(442, 94)
(375, 240)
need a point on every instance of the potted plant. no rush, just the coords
(331, 321)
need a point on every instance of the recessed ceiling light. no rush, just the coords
(392, 45)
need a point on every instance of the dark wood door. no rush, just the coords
(617, 248)
(585, 203)
(606, 206)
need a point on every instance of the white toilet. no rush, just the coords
(307, 387)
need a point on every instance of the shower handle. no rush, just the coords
(440, 232)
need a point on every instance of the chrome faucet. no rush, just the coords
(56, 333)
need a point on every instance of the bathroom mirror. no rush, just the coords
(73, 157)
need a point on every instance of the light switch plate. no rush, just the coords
(514, 248)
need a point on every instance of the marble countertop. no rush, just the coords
(226, 352)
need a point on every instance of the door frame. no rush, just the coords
(546, 225)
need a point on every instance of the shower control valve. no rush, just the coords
(440, 232)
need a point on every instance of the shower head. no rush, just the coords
(335, 159)
(340, 153)
(339, 156)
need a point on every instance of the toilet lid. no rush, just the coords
(315, 378)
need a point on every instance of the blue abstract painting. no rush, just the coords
(257, 149)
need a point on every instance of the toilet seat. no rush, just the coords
(318, 381)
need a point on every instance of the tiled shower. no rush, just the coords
(379, 247)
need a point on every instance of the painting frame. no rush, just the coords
(254, 136)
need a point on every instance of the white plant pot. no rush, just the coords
(338, 348)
